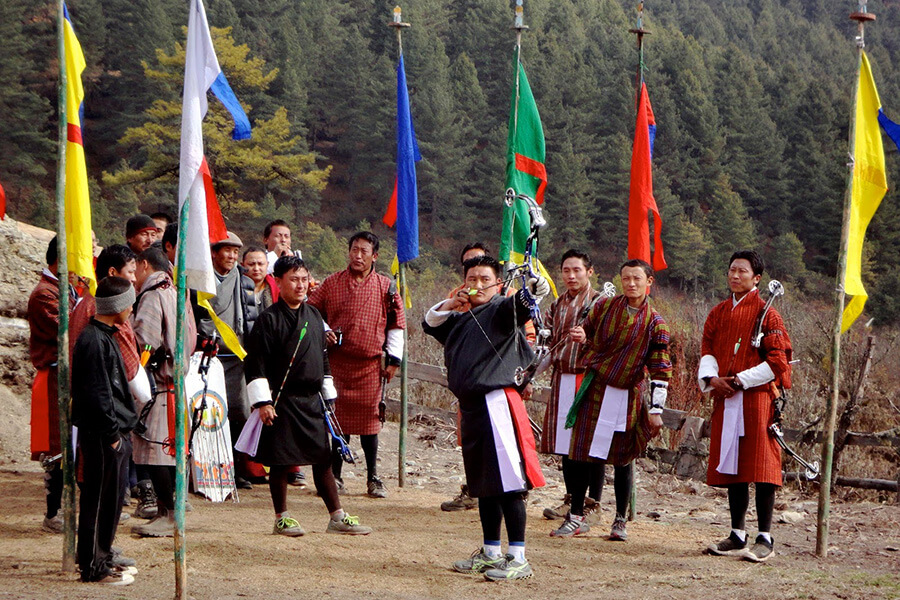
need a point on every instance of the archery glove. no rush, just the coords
(539, 286)
(329, 392)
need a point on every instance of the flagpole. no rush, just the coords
(180, 409)
(640, 32)
(824, 509)
(62, 273)
(398, 25)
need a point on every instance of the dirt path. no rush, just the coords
(232, 553)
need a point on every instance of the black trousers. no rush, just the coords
(105, 468)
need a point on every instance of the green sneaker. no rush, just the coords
(348, 525)
(509, 570)
(288, 526)
(479, 562)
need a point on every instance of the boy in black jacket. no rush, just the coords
(103, 411)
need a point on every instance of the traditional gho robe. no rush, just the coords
(621, 348)
(43, 323)
(566, 312)
(154, 325)
(299, 434)
(84, 310)
(371, 321)
(726, 351)
(482, 349)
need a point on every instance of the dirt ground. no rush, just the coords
(233, 554)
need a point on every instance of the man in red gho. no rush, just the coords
(742, 380)
(625, 338)
(368, 312)
(567, 312)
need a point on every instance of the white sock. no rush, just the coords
(492, 548)
(742, 535)
(766, 535)
(517, 549)
(338, 515)
(281, 515)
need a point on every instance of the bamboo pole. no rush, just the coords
(398, 25)
(824, 507)
(180, 409)
(62, 272)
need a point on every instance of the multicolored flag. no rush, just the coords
(79, 242)
(867, 188)
(205, 223)
(525, 170)
(403, 209)
(640, 197)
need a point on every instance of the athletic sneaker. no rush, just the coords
(297, 479)
(463, 501)
(117, 559)
(573, 525)
(123, 516)
(510, 569)
(561, 511)
(730, 546)
(375, 488)
(129, 570)
(53, 524)
(348, 525)
(479, 562)
(761, 551)
(288, 526)
(116, 579)
(242, 483)
(618, 533)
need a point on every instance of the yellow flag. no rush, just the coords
(868, 187)
(79, 243)
(395, 271)
(518, 258)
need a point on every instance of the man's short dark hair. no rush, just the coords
(52, 254)
(112, 286)
(367, 236)
(573, 253)
(286, 264)
(251, 249)
(756, 262)
(472, 246)
(482, 261)
(156, 258)
(163, 216)
(115, 257)
(636, 262)
(170, 235)
(267, 231)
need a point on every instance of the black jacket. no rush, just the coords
(101, 403)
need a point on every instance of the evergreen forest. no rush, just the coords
(751, 98)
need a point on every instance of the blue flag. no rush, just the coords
(890, 128)
(407, 192)
(226, 96)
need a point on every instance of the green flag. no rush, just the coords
(525, 172)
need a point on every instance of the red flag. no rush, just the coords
(390, 216)
(2, 203)
(640, 198)
(214, 219)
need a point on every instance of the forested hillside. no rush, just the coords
(751, 99)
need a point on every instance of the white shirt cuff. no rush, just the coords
(756, 376)
(258, 391)
(709, 367)
(435, 317)
(139, 387)
(658, 398)
(393, 344)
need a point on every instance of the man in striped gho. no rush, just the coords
(625, 338)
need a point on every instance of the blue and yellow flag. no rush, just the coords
(868, 187)
(78, 203)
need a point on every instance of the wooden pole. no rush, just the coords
(62, 272)
(180, 410)
(398, 26)
(824, 508)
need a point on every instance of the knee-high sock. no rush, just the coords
(278, 477)
(738, 502)
(490, 511)
(163, 479)
(337, 462)
(369, 445)
(323, 477)
(53, 483)
(765, 505)
(513, 505)
(577, 478)
(623, 480)
(595, 485)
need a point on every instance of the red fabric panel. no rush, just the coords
(525, 437)
(390, 216)
(40, 414)
(640, 197)
(214, 219)
(536, 169)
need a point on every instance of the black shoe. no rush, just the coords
(146, 508)
(761, 551)
(730, 546)
(242, 484)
